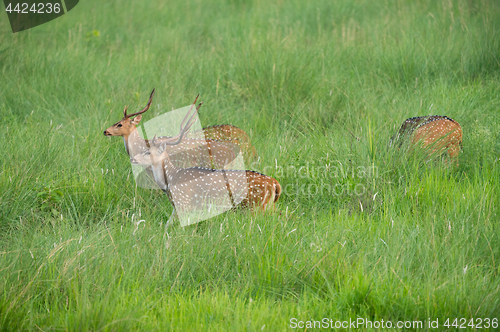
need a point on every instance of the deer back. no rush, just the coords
(439, 135)
(434, 132)
(233, 134)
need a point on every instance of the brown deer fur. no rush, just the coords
(437, 134)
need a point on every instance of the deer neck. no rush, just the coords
(137, 140)
(168, 169)
(164, 172)
(159, 175)
(125, 141)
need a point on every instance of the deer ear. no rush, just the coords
(137, 119)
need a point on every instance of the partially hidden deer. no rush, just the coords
(187, 188)
(231, 133)
(220, 141)
(435, 134)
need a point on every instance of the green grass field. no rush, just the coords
(320, 86)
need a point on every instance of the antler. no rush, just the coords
(125, 111)
(185, 126)
(145, 108)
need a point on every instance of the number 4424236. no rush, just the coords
(478, 323)
(36, 8)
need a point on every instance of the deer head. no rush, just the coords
(151, 156)
(157, 151)
(127, 125)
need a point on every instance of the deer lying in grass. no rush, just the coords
(435, 133)
(219, 142)
(186, 187)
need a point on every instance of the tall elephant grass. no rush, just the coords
(361, 230)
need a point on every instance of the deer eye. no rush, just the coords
(119, 125)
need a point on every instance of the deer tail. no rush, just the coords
(277, 190)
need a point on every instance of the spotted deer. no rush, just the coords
(188, 187)
(230, 133)
(222, 142)
(435, 133)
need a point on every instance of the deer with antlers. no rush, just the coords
(220, 140)
(188, 188)
(435, 133)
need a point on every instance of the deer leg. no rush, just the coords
(173, 216)
(268, 197)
